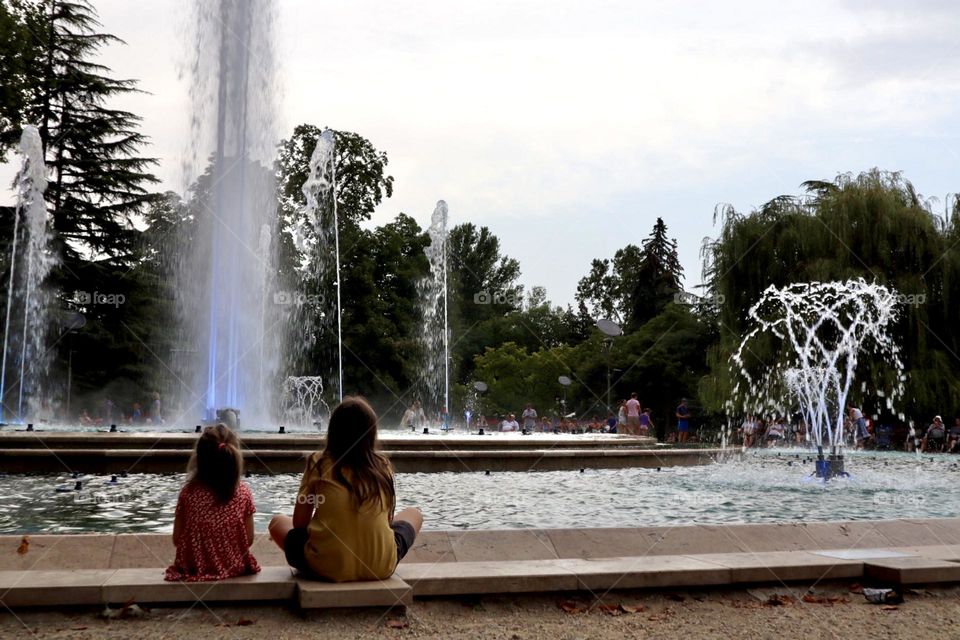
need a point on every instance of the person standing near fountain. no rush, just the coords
(343, 526)
(510, 423)
(633, 415)
(747, 431)
(529, 417)
(683, 421)
(935, 436)
(155, 415)
(859, 425)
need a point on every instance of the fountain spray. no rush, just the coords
(820, 330)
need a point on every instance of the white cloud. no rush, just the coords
(527, 114)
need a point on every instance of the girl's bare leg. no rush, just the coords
(280, 526)
(411, 515)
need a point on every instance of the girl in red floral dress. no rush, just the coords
(213, 528)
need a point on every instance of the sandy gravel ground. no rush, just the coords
(829, 612)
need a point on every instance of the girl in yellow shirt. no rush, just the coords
(343, 526)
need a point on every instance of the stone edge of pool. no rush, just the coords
(111, 461)
(90, 569)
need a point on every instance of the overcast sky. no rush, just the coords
(568, 127)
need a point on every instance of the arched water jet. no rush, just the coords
(817, 332)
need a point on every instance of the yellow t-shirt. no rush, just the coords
(345, 543)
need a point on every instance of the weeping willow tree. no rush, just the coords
(873, 226)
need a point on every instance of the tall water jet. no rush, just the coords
(316, 235)
(26, 320)
(815, 334)
(435, 333)
(223, 284)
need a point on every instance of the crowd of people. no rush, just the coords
(104, 412)
(861, 432)
(631, 418)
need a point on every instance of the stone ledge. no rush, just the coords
(276, 583)
(391, 592)
(148, 585)
(912, 570)
(109, 461)
(52, 588)
(461, 578)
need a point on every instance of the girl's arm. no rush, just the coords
(303, 511)
(177, 526)
(249, 527)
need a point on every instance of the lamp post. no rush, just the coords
(611, 330)
(478, 388)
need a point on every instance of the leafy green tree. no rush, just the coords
(483, 287)
(873, 225)
(608, 290)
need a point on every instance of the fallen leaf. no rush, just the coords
(890, 607)
(569, 606)
(245, 622)
(398, 623)
(837, 600)
(610, 609)
(627, 608)
(778, 600)
(812, 599)
(24, 545)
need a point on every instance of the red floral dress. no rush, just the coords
(213, 540)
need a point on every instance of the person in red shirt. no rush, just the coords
(213, 527)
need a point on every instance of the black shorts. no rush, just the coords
(293, 547)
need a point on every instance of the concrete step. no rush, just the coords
(391, 592)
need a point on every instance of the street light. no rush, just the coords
(610, 329)
(478, 388)
(564, 382)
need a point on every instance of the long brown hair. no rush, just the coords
(352, 444)
(216, 461)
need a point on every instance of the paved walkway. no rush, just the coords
(97, 569)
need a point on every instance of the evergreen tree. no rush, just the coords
(18, 67)
(658, 278)
(99, 183)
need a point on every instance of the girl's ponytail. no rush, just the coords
(217, 462)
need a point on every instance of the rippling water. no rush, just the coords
(764, 487)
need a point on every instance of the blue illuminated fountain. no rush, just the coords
(224, 283)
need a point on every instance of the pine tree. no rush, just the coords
(99, 183)
(658, 278)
